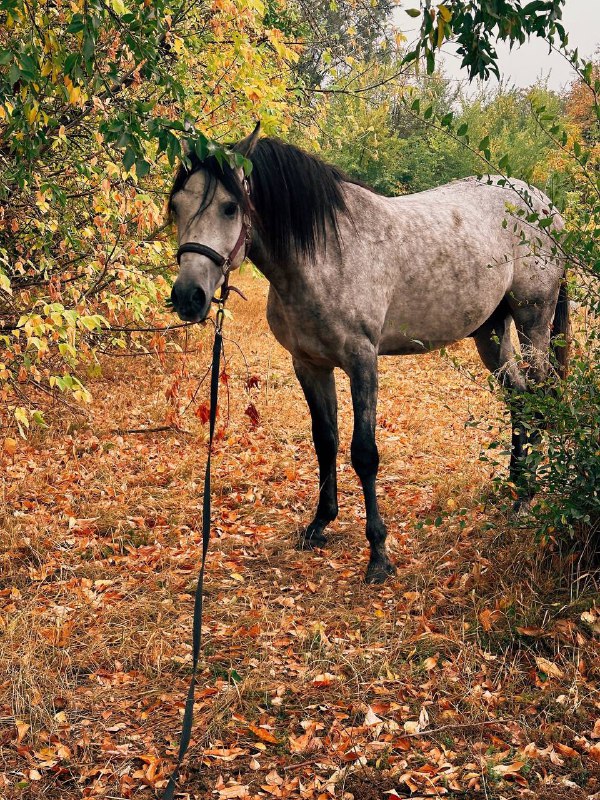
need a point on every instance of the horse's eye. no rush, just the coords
(230, 209)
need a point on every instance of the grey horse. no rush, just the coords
(354, 275)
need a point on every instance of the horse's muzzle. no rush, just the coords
(190, 302)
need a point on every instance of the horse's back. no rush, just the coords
(414, 272)
(447, 259)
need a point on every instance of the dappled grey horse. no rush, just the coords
(354, 275)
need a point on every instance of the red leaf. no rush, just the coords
(252, 412)
(253, 382)
(203, 413)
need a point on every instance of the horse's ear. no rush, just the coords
(247, 145)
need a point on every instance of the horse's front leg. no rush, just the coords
(365, 460)
(319, 389)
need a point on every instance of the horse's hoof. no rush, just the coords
(310, 541)
(379, 571)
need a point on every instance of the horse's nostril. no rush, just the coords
(198, 299)
(174, 297)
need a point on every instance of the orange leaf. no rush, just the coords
(10, 446)
(487, 618)
(594, 753)
(565, 750)
(22, 728)
(263, 734)
(530, 631)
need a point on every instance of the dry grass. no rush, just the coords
(100, 549)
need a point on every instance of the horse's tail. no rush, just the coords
(561, 335)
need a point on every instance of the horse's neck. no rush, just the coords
(280, 276)
(300, 276)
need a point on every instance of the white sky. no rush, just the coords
(525, 64)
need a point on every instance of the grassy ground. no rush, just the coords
(472, 674)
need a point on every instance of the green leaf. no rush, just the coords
(142, 167)
(200, 147)
(129, 158)
(430, 58)
(413, 12)
(14, 73)
(38, 419)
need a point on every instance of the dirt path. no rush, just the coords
(472, 674)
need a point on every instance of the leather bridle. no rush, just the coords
(224, 263)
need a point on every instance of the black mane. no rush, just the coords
(295, 196)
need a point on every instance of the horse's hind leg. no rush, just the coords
(493, 340)
(319, 389)
(365, 460)
(533, 322)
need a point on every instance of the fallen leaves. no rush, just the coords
(548, 667)
(308, 679)
(488, 617)
(263, 734)
(10, 446)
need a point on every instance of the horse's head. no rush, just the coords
(210, 205)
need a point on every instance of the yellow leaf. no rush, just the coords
(445, 13)
(22, 728)
(32, 113)
(548, 667)
(10, 446)
(440, 34)
(508, 769)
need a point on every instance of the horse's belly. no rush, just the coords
(436, 304)
(403, 346)
(425, 325)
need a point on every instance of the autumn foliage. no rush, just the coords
(93, 103)
(474, 672)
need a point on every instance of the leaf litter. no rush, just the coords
(473, 673)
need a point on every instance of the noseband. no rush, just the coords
(223, 262)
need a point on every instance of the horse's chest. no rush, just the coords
(308, 330)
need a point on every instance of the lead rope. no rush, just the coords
(188, 714)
